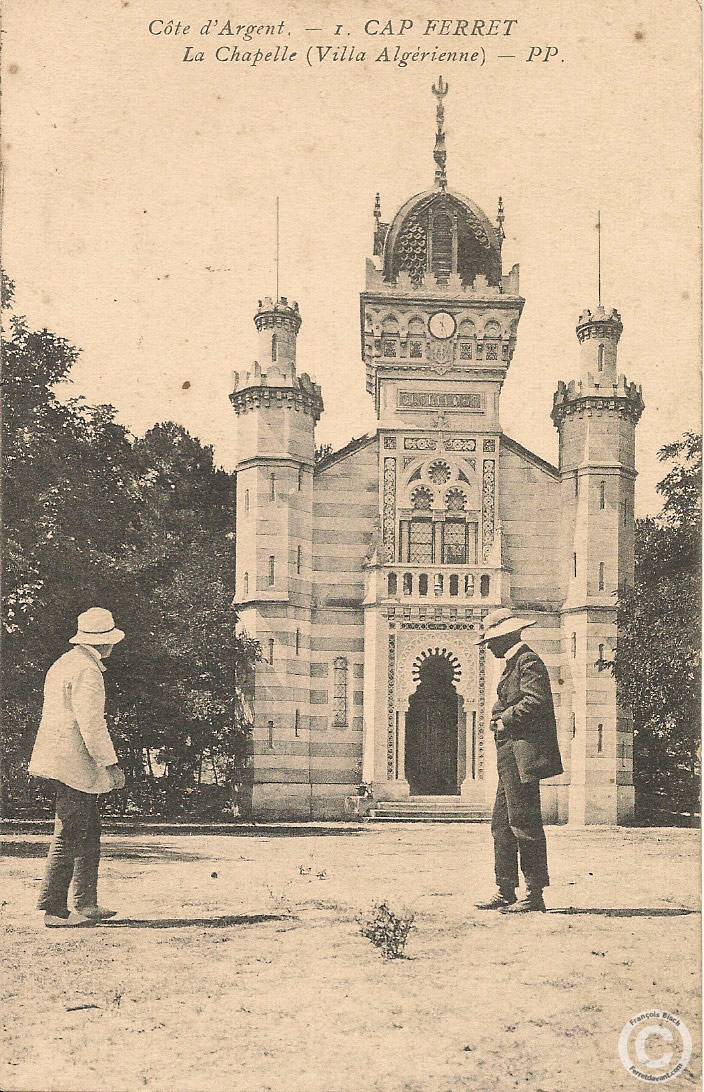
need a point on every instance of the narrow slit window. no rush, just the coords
(574, 564)
(245, 585)
(271, 650)
(602, 495)
(574, 725)
(339, 692)
(299, 559)
(600, 358)
(298, 642)
(408, 583)
(484, 586)
(423, 584)
(296, 722)
(574, 645)
(272, 487)
(454, 584)
(270, 733)
(274, 346)
(272, 569)
(300, 478)
(391, 583)
(246, 500)
(600, 738)
(601, 575)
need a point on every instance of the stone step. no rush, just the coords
(423, 809)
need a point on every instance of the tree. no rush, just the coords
(657, 663)
(94, 516)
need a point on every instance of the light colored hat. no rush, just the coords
(501, 622)
(97, 627)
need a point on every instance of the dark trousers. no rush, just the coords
(74, 853)
(517, 826)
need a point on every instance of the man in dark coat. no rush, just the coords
(523, 722)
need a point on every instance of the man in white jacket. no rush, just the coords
(73, 750)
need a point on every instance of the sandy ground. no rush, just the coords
(237, 964)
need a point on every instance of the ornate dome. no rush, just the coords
(441, 232)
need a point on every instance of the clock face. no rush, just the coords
(442, 324)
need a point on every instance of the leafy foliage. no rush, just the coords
(658, 660)
(387, 930)
(145, 527)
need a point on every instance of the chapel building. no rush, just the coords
(365, 576)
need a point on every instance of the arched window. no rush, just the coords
(484, 585)
(299, 558)
(574, 644)
(601, 657)
(271, 650)
(600, 738)
(602, 495)
(274, 346)
(423, 584)
(246, 500)
(601, 576)
(272, 487)
(391, 584)
(439, 584)
(469, 585)
(408, 583)
(339, 692)
(245, 585)
(298, 642)
(272, 570)
(454, 584)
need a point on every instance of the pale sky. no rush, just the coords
(140, 193)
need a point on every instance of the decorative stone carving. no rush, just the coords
(489, 445)
(460, 443)
(419, 443)
(391, 723)
(488, 504)
(389, 523)
(390, 443)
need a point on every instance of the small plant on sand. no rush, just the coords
(387, 930)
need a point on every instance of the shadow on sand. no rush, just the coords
(225, 921)
(627, 912)
(124, 851)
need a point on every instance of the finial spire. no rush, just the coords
(598, 228)
(500, 217)
(277, 249)
(440, 154)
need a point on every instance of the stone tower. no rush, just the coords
(596, 418)
(277, 411)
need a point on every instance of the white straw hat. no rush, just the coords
(97, 627)
(501, 622)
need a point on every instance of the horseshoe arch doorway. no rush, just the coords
(432, 726)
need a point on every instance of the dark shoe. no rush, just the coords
(533, 902)
(502, 900)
